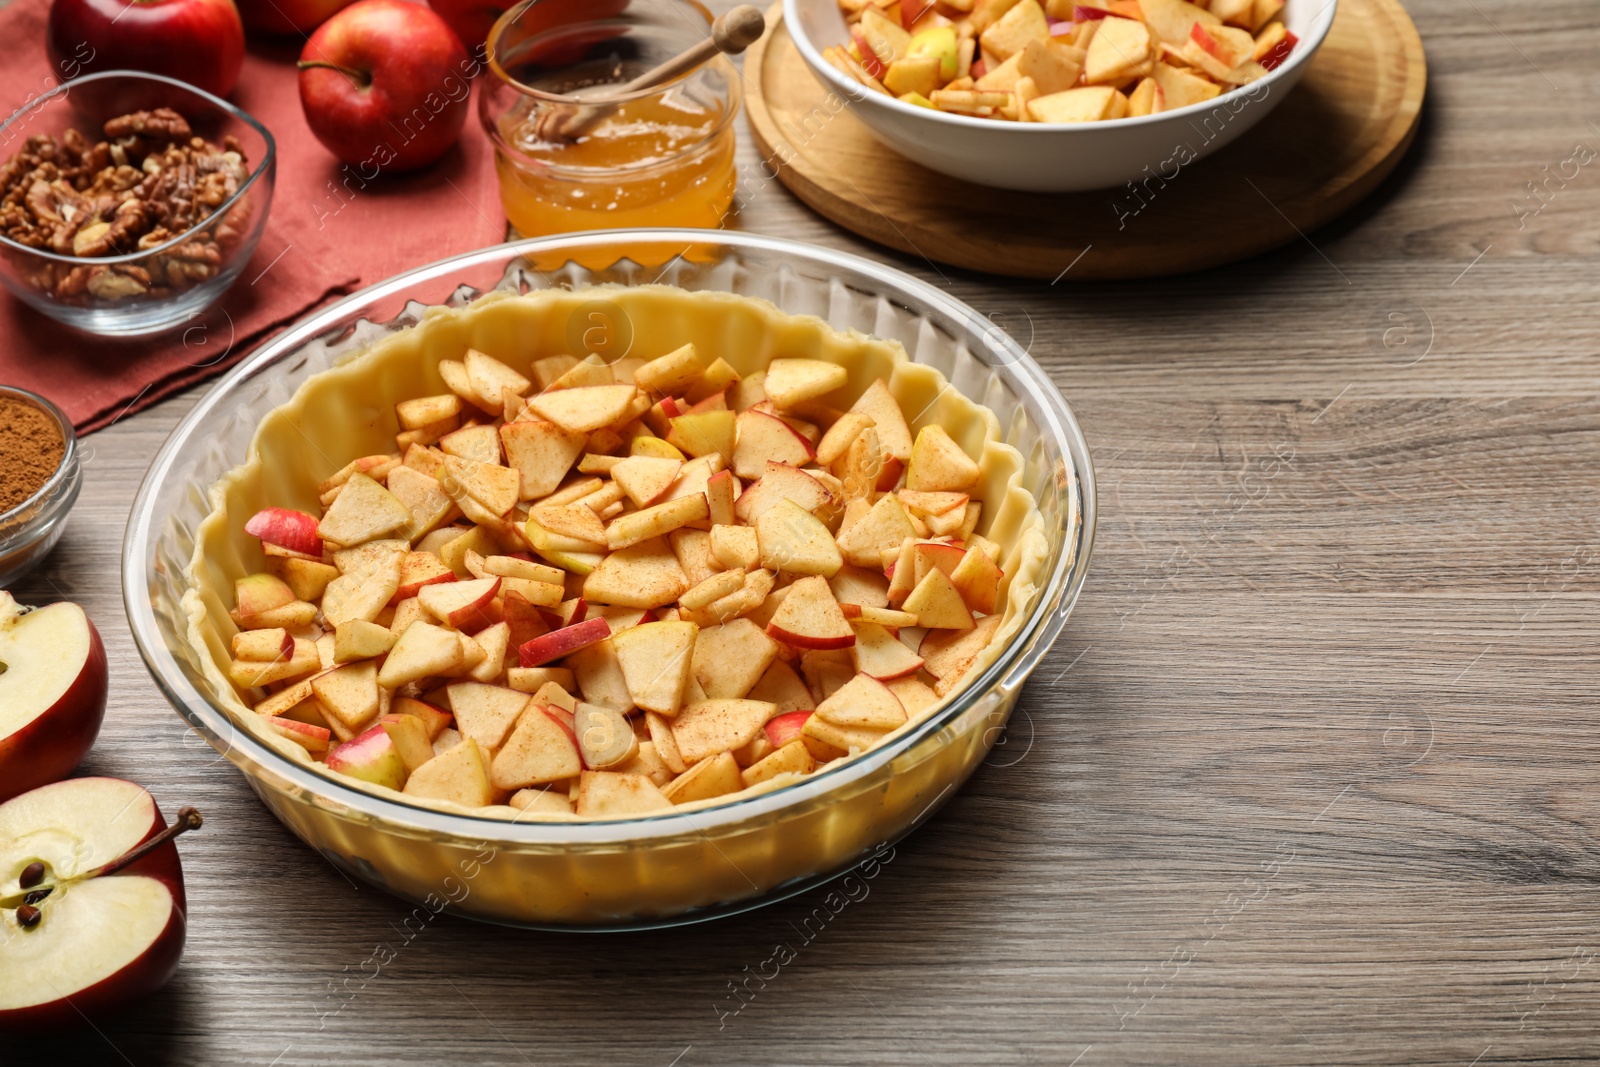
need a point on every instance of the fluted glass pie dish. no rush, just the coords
(676, 866)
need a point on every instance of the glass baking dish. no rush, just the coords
(672, 867)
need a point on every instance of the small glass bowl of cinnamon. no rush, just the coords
(39, 479)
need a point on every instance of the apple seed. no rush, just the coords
(31, 875)
(28, 916)
(37, 895)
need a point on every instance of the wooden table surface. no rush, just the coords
(1310, 778)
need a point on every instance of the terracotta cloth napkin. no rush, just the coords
(317, 244)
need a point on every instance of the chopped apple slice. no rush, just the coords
(859, 586)
(714, 587)
(879, 654)
(248, 674)
(542, 453)
(947, 654)
(461, 604)
(656, 521)
(603, 794)
(294, 530)
(938, 464)
(792, 758)
(348, 697)
(426, 410)
(706, 433)
(864, 702)
(424, 650)
(371, 757)
(646, 479)
(785, 729)
(713, 726)
(782, 687)
(490, 378)
(670, 373)
(882, 530)
(423, 498)
(478, 443)
(256, 594)
(764, 437)
(541, 749)
(605, 739)
(558, 643)
(915, 697)
(433, 719)
(977, 579)
(937, 603)
(809, 617)
(307, 578)
(791, 381)
(731, 658)
(418, 569)
(599, 676)
(645, 575)
(265, 646)
(714, 777)
(655, 658)
(841, 740)
(485, 712)
(410, 739)
(547, 801)
(794, 541)
(364, 511)
(495, 487)
(586, 408)
(458, 775)
(934, 555)
(358, 639)
(779, 481)
(308, 736)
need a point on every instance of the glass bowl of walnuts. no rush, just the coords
(129, 202)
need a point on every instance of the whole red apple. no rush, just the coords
(92, 908)
(289, 16)
(196, 41)
(385, 86)
(53, 681)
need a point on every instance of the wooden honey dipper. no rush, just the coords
(731, 34)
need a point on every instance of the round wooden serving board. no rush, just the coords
(1330, 142)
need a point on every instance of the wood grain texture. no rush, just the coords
(1327, 145)
(1309, 780)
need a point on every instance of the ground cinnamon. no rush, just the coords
(31, 449)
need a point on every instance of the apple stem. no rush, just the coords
(188, 819)
(362, 79)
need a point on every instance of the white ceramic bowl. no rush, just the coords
(1056, 157)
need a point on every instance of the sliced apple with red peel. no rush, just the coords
(977, 578)
(541, 749)
(864, 703)
(931, 555)
(424, 650)
(722, 490)
(586, 408)
(780, 481)
(433, 719)
(314, 739)
(418, 569)
(785, 728)
(486, 712)
(461, 604)
(558, 643)
(794, 541)
(256, 594)
(655, 658)
(248, 674)
(53, 684)
(879, 654)
(602, 794)
(95, 911)
(809, 617)
(370, 757)
(459, 775)
(294, 530)
(793, 758)
(926, 504)
(762, 437)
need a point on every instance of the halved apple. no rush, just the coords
(53, 684)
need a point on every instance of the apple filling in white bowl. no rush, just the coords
(470, 568)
